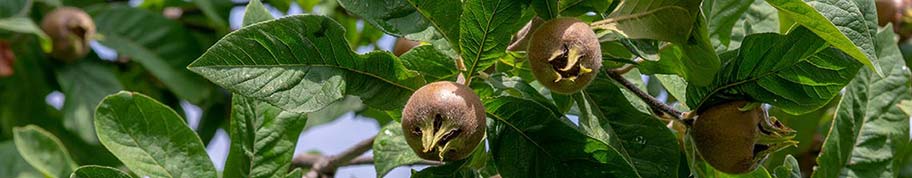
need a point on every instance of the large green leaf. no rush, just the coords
(391, 150)
(255, 12)
(666, 20)
(839, 22)
(796, 72)
(485, 30)
(43, 151)
(443, 16)
(218, 12)
(722, 17)
(92, 171)
(9, 8)
(162, 46)
(580, 7)
(868, 125)
(546, 9)
(14, 166)
(395, 17)
(84, 84)
(263, 138)
(150, 138)
(302, 63)
(645, 142)
(25, 25)
(430, 63)
(759, 18)
(527, 140)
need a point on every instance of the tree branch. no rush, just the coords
(651, 101)
(308, 160)
(326, 166)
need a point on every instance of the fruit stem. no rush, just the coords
(651, 101)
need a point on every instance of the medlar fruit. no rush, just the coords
(565, 55)
(403, 45)
(70, 30)
(734, 137)
(443, 121)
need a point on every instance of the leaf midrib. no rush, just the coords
(305, 65)
(484, 39)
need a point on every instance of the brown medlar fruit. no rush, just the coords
(443, 121)
(6, 59)
(403, 45)
(734, 137)
(565, 55)
(70, 30)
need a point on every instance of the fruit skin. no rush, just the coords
(403, 45)
(70, 30)
(565, 55)
(443, 116)
(725, 136)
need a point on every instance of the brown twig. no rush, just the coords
(308, 160)
(651, 101)
(326, 166)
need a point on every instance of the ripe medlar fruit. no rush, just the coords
(443, 121)
(734, 137)
(403, 45)
(70, 30)
(565, 55)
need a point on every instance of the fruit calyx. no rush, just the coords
(566, 63)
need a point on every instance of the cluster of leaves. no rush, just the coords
(796, 56)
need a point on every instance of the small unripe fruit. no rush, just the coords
(403, 45)
(443, 121)
(70, 30)
(734, 137)
(565, 55)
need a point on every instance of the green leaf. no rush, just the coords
(546, 9)
(22, 95)
(263, 138)
(580, 7)
(391, 150)
(333, 111)
(667, 20)
(868, 127)
(14, 166)
(255, 12)
(453, 169)
(905, 106)
(395, 17)
(788, 169)
(142, 35)
(84, 84)
(218, 12)
(43, 151)
(841, 24)
(150, 138)
(281, 5)
(91, 171)
(302, 63)
(675, 85)
(430, 63)
(296, 173)
(759, 18)
(514, 86)
(485, 30)
(10, 8)
(526, 140)
(443, 15)
(722, 18)
(26, 25)
(643, 140)
(796, 72)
